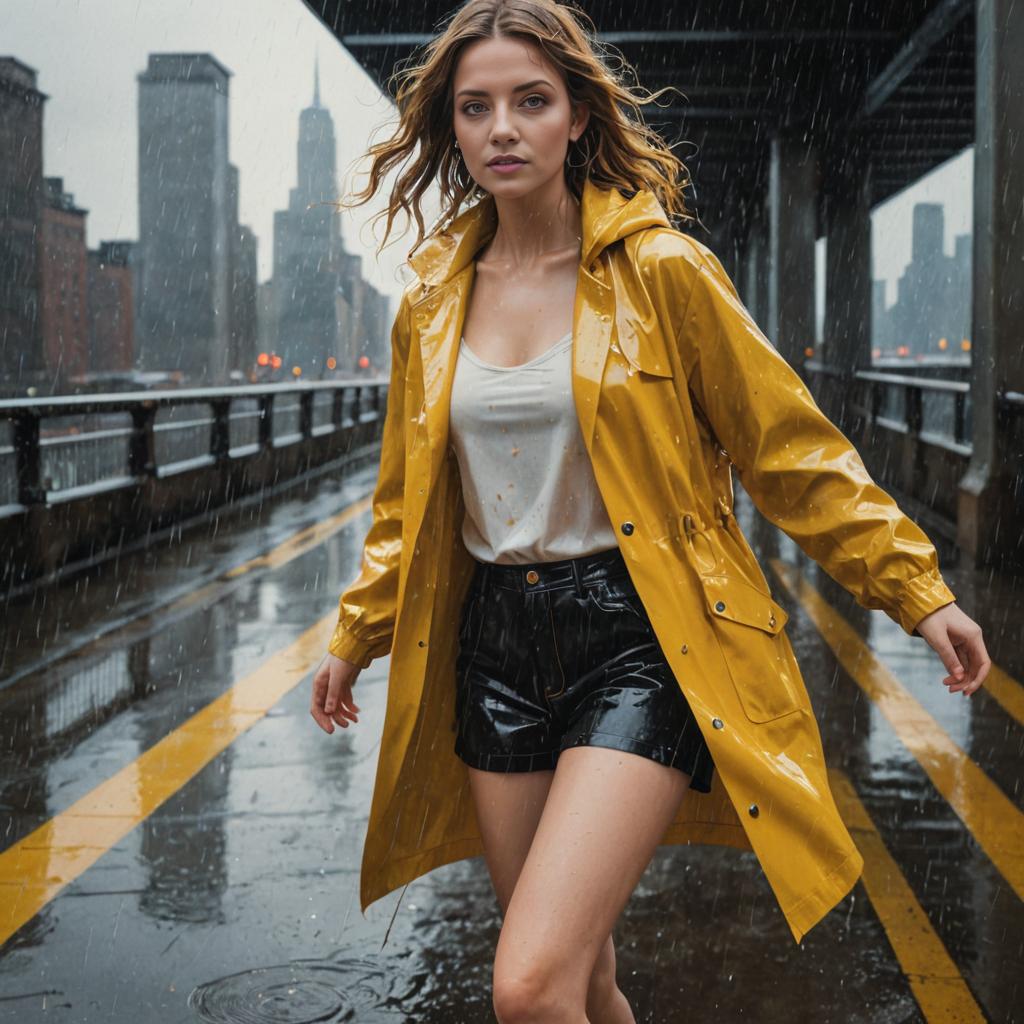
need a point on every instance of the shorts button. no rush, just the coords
(532, 577)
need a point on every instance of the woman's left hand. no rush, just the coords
(957, 639)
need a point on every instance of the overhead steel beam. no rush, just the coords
(790, 36)
(681, 113)
(935, 27)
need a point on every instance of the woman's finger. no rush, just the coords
(944, 648)
(979, 657)
(343, 713)
(333, 691)
(316, 702)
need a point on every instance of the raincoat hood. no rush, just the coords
(605, 214)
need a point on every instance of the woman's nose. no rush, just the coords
(502, 128)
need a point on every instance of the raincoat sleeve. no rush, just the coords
(367, 608)
(799, 469)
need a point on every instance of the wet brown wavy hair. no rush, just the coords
(618, 149)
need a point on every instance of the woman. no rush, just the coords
(553, 562)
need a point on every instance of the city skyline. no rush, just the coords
(89, 137)
(90, 134)
(183, 298)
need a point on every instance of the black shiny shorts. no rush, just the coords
(562, 654)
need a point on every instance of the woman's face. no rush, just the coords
(494, 115)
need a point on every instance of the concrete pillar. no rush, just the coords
(847, 329)
(793, 230)
(754, 284)
(989, 513)
(724, 243)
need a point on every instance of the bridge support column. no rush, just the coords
(990, 505)
(724, 240)
(753, 283)
(793, 230)
(847, 328)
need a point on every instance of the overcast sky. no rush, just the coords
(88, 52)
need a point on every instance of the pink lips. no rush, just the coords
(507, 166)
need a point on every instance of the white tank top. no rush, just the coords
(527, 481)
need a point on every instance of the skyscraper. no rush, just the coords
(184, 301)
(324, 307)
(313, 317)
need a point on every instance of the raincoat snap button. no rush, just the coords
(719, 606)
(532, 577)
(627, 528)
(684, 648)
(422, 643)
(716, 722)
(754, 812)
(771, 621)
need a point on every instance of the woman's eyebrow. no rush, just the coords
(518, 88)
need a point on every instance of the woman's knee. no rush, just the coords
(525, 996)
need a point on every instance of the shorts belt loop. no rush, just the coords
(580, 592)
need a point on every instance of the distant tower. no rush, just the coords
(309, 256)
(317, 149)
(22, 361)
(928, 232)
(184, 302)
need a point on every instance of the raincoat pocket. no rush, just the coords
(748, 624)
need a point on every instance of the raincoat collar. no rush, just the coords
(446, 268)
(606, 216)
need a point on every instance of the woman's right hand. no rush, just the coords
(332, 693)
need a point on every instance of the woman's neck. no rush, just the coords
(546, 221)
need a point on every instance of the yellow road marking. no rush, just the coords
(1006, 691)
(984, 809)
(303, 541)
(36, 868)
(937, 984)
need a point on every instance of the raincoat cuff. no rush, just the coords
(344, 645)
(921, 596)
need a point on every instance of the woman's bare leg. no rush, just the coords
(605, 813)
(508, 808)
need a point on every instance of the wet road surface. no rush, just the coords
(180, 842)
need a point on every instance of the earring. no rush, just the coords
(569, 163)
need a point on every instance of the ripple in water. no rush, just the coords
(300, 992)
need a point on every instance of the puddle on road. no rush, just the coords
(305, 991)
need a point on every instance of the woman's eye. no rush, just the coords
(468, 108)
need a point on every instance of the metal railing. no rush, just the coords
(83, 476)
(57, 448)
(914, 432)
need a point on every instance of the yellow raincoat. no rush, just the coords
(674, 386)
